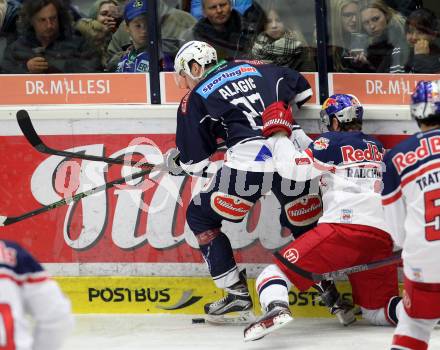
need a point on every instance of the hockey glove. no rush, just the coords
(277, 117)
(172, 162)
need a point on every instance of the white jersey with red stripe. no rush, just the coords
(349, 165)
(26, 290)
(411, 199)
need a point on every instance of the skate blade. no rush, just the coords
(258, 331)
(345, 319)
(234, 318)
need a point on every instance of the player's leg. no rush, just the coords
(301, 204)
(319, 250)
(301, 208)
(412, 333)
(224, 200)
(272, 288)
(418, 316)
(376, 291)
(341, 308)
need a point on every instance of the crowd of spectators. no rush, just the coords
(366, 36)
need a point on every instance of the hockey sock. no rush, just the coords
(218, 254)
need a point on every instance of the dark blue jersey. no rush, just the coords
(228, 104)
(16, 259)
(346, 147)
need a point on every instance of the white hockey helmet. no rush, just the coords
(425, 100)
(199, 51)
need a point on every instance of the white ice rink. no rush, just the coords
(176, 332)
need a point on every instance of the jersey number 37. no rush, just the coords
(253, 108)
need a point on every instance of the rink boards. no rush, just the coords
(173, 295)
(108, 250)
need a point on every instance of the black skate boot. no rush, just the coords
(235, 307)
(342, 309)
(277, 315)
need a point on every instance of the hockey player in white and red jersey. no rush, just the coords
(26, 290)
(411, 198)
(352, 229)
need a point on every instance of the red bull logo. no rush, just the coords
(351, 154)
(329, 102)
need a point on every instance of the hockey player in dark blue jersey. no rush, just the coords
(226, 101)
(352, 229)
(27, 290)
(411, 197)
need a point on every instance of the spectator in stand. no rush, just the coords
(422, 31)
(405, 7)
(73, 10)
(385, 30)
(281, 44)
(240, 5)
(223, 28)
(36, 314)
(10, 10)
(136, 58)
(3, 6)
(47, 44)
(104, 19)
(344, 28)
(172, 23)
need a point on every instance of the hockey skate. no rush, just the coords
(234, 308)
(277, 315)
(342, 309)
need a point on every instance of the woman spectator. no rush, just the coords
(281, 44)
(422, 31)
(104, 19)
(344, 25)
(385, 30)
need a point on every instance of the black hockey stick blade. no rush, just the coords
(8, 220)
(26, 126)
(395, 258)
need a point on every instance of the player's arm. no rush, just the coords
(393, 202)
(290, 162)
(46, 304)
(299, 138)
(195, 139)
(293, 88)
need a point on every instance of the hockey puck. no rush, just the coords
(198, 320)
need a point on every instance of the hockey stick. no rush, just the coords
(26, 126)
(395, 258)
(25, 123)
(7, 220)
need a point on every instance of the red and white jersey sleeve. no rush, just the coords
(411, 200)
(26, 290)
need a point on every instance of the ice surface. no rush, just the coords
(176, 332)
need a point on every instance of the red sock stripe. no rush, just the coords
(206, 237)
(409, 342)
